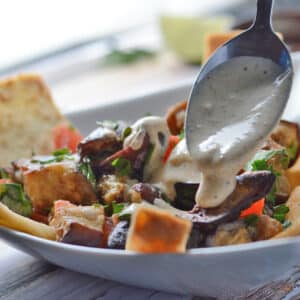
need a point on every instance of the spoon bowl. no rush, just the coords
(258, 41)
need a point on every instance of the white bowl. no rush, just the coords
(223, 272)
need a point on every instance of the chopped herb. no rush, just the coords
(121, 57)
(286, 224)
(13, 196)
(260, 160)
(60, 152)
(58, 156)
(292, 150)
(279, 212)
(271, 196)
(126, 132)
(97, 205)
(279, 217)
(149, 153)
(3, 174)
(122, 166)
(281, 209)
(86, 170)
(117, 207)
(108, 124)
(181, 134)
(251, 220)
(148, 114)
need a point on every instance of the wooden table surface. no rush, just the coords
(27, 278)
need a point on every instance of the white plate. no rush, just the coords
(221, 272)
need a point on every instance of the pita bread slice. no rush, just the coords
(27, 116)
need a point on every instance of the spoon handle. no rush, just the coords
(263, 15)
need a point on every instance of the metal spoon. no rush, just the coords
(258, 41)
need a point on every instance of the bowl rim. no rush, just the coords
(220, 250)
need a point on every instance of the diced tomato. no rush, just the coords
(173, 141)
(256, 208)
(5, 180)
(66, 136)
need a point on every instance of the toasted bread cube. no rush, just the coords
(293, 215)
(267, 227)
(153, 230)
(293, 174)
(80, 225)
(56, 181)
(287, 134)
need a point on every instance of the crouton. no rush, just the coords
(80, 225)
(157, 231)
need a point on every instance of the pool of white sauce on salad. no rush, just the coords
(239, 103)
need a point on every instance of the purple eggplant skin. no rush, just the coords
(251, 187)
(99, 144)
(137, 159)
(147, 191)
(118, 236)
(79, 234)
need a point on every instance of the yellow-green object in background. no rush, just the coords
(185, 35)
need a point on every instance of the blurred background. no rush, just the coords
(97, 52)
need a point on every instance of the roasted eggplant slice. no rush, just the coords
(251, 186)
(117, 238)
(136, 158)
(80, 225)
(99, 144)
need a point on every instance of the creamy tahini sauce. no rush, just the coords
(239, 103)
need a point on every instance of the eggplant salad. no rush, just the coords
(133, 186)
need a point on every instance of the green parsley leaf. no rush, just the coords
(271, 196)
(251, 220)
(122, 166)
(260, 160)
(126, 132)
(281, 209)
(86, 170)
(63, 151)
(279, 212)
(292, 150)
(13, 196)
(117, 207)
(3, 174)
(181, 134)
